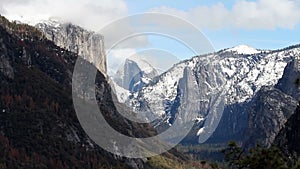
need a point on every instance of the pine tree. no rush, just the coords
(257, 157)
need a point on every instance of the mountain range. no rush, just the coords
(241, 79)
(256, 89)
(241, 93)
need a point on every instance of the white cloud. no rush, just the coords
(90, 14)
(261, 14)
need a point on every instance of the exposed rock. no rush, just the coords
(89, 45)
(134, 74)
(269, 111)
(289, 136)
(5, 66)
(237, 77)
(290, 81)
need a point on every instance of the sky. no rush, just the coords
(262, 24)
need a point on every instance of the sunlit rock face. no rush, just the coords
(86, 44)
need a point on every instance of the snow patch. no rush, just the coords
(198, 119)
(122, 94)
(200, 131)
(243, 49)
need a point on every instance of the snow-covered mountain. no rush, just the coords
(243, 49)
(228, 78)
(87, 44)
(134, 74)
(235, 90)
(272, 107)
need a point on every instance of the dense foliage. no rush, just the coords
(257, 157)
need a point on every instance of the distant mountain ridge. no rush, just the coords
(235, 74)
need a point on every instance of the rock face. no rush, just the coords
(290, 81)
(226, 77)
(88, 45)
(5, 65)
(289, 136)
(269, 111)
(134, 74)
(271, 108)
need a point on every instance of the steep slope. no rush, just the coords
(288, 138)
(290, 81)
(134, 74)
(86, 44)
(268, 112)
(223, 77)
(37, 116)
(271, 108)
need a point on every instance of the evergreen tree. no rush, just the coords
(254, 158)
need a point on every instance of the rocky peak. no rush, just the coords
(134, 74)
(86, 44)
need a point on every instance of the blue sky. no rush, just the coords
(136, 6)
(262, 38)
(263, 24)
